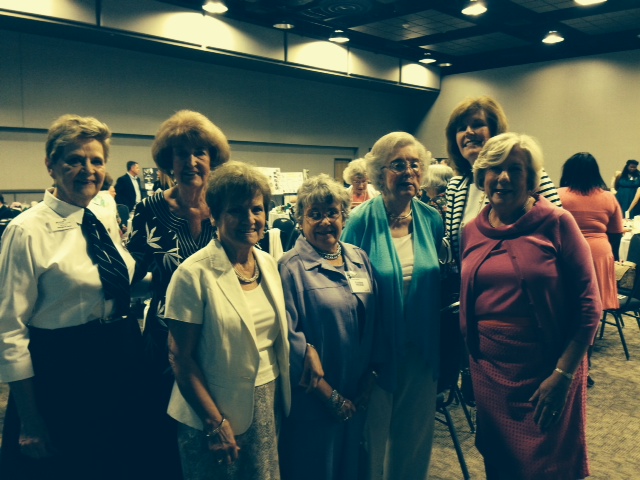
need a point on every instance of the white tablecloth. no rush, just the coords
(624, 246)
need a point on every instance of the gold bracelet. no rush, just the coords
(566, 375)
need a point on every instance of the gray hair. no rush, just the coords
(356, 168)
(323, 190)
(382, 151)
(71, 129)
(437, 177)
(498, 148)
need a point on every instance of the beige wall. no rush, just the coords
(297, 122)
(584, 104)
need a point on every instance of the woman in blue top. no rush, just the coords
(330, 297)
(402, 236)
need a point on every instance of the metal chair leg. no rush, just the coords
(465, 409)
(456, 443)
(618, 318)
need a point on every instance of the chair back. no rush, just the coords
(287, 229)
(634, 250)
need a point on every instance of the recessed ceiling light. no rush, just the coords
(474, 7)
(427, 59)
(214, 6)
(589, 2)
(445, 64)
(283, 25)
(339, 37)
(553, 37)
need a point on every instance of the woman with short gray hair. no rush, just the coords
(402, 236)
(356, 176)
(435, 186)
(330, 298)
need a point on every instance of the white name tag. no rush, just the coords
(358, 284)
(63, 224)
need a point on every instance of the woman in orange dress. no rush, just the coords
(599, 217)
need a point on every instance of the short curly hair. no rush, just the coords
(235, 181)
(384, 148)
(498, 148)
(321, 190)
(356, 168)
(496, 120)
(70, 129)
(188, 128)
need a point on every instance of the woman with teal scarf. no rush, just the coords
(402, 236)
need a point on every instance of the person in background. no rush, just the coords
(360, 189)
(129, 190)
(626, 185)
(7, 212)
(529, 309)
(228, 339)
(106, 196)
(435, 186)
(473, 122)
(331, 296)
(402, 237)
(68, 350)
(168, 228)
(584, 193)
(164, 182)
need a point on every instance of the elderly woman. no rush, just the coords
(360, 190)
(67, 349)
(473, 122)
(529, 310)
(402, 236)
(435, 186)
(228, 339)
(330, 295)
(167, 228)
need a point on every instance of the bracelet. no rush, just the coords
(567, 375)
(216, 430)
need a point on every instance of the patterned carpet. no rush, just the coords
(613, 422)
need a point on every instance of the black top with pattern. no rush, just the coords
(159, 242)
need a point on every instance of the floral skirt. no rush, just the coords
(258, 456)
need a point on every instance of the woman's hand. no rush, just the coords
(313, 372)
(34, 440)
(223, 444)
(347, 411)
(550, 398)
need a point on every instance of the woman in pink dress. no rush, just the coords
(599, 217)
(529, 309)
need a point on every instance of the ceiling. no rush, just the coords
(509, 33)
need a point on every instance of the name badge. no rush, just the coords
(62, 224)
(358, 284)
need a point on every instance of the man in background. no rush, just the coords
(129, 189)
(6, 212)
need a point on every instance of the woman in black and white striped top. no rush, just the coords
(471, 124)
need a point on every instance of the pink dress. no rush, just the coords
(597, 214)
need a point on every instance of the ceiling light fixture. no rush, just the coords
(474, 7)
(339, 37)
(589, 2)
(445, 64)
(214, 6)
(427, 59)
(283, 25)
(553, 37)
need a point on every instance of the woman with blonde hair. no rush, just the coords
(360, 189)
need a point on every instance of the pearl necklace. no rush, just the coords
(330, 256)
(243, 279)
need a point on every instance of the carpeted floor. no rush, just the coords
(613, 423)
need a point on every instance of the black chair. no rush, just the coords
(288, 233)
(629, 300)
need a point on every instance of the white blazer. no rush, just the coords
(205, 290)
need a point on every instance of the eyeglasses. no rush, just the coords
(316, 216)
(400, 166)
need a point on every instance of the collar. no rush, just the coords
(132, 176)
(62, 208)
